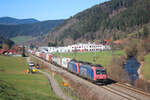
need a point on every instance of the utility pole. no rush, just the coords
(75, 53)
(94, 57)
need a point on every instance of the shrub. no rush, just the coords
(130, 47)
(116, 70)
(140, 58)
(142, 84)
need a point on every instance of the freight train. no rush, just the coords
(93, 72)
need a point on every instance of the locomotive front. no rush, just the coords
(100, 73)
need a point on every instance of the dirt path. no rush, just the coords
(55, 86)
(53, 83)
(140, 71)
(141, 76)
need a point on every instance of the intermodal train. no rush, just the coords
(93, 72)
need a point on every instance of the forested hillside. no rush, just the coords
(114, 19)
(34, 29)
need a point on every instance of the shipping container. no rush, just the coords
(65, 62)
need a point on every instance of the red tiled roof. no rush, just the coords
(118, 41)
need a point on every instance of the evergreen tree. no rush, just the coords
(23, 51)
(5, 46)
(145, 32)
(56, 43)
(32, 46)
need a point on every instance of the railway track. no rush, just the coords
(122, 91)
(133, 89)
(138, 94)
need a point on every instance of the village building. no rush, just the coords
(89, 47)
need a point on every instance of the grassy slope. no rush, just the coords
(146, 68)
(30, 87)
(21, 39)
(103, 58)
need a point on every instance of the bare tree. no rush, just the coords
(116, 70)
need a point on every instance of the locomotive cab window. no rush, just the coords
(100, 71)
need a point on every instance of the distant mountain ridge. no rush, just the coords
(34, 29)
(22, 29)
(14, 21)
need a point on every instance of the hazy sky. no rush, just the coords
(44, 9)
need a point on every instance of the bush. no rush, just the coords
(116, 70)
(142, 84)
(140, 58)
(130, 47)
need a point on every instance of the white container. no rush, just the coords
(65, 62)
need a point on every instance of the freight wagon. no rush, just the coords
(94, 72)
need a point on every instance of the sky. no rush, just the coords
(44, 9)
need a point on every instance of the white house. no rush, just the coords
(89, 47)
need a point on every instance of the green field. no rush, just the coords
(21, 39)
(146, 68)
(15, 84)
(102, 58)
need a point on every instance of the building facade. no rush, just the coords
(89, 47)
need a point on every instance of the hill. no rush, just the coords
(34, 29)
(14, 21)
(115, 19)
